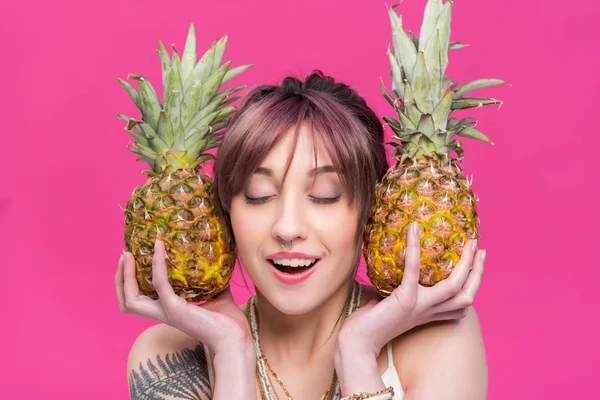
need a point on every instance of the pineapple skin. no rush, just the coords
(178, 208)
(436, 195)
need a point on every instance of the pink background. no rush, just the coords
(65, 171)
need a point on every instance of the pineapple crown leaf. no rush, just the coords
(177, 134)
(477, 84)
(422, 95)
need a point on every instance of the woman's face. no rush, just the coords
(311, 210)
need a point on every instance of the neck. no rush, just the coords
(303, 338)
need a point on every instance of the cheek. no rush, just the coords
(338, 228)
(246, 225)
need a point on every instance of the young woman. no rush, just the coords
(294, 181)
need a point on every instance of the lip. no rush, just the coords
(294, 279)
(284, 255)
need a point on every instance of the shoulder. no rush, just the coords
(167, 361)
(443, 359)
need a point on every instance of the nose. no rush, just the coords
(290, 222)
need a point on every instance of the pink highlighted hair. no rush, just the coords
(340, 120)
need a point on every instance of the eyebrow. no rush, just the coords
(313, 172)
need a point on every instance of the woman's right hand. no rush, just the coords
(218, 323)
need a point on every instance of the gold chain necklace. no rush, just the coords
(328, 395)
(263, 380)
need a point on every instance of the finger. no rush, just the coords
(412, 265)
(475, 276)
(119, 285)
(135, 302)
(130, 285)
(466, 296)
(160, 279)
(173, 305)
(455, 282)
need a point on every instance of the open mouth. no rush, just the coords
(291, 269)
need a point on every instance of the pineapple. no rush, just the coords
(176, 203)
(426, 183)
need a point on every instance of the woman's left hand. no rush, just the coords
(370, 327)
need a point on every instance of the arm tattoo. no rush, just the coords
(182, 375)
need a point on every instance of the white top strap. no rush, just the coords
(389, 355)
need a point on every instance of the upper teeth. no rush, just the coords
(295, 262)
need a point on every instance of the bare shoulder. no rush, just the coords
(443, 360)
(165, 363)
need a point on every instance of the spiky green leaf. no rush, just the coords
(442, 111)
(165, 61)
(407, 124)
(470, 102)
(410, 107)
(422, 85)
(138, 138)
(396, 73)
(205, 157)
(190, 103)
(446, 84)
(473, 133)
(174, 93)
(197, 148)
(219, 52)
(232, 73)
(131, 91)
(414, 38)
(433, 8)
(202, 124)
(206, 110)
(212, 84)
(453, 122)
(188, 60)
(395, 125)
(146, 130)
(149, 103)
(146, 152)
(476, 84)
(202, 69)
(387, 95)
(165, 129)
(433, 63)
(443, 25)
(230, 100)
(456, 45)
(125, 118)
(426, 125)
(404, 49)
(219, 124)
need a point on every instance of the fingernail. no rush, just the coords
(156, 245)
(474, 245)
(415, 227)
(483, 254)
(121, 258)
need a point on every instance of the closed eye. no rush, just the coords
(325, 200)
(317, 200)
(257, 200)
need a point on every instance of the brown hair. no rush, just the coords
(340, 119)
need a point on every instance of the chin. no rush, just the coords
(294, 303)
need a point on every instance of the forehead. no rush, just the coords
(302, 149)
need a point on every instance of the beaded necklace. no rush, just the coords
(264, 383)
